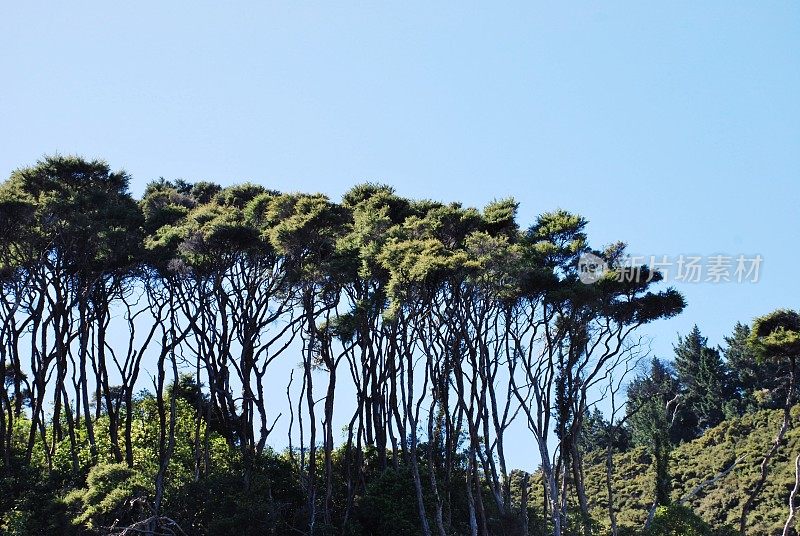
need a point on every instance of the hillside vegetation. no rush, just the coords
(694, 462)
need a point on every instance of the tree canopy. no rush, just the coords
(140, 337)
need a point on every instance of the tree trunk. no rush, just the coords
(612, 514)
(580, 489)
(787, 528)
(524, 504)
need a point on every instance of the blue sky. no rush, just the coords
(673, 126)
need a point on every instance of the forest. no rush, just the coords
(140, 339)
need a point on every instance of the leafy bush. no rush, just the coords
(680, 521)
(115, 495)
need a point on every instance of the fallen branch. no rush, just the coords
(702, 485)
(144, 527)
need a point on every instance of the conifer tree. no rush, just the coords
(703, 380)
(754, 385)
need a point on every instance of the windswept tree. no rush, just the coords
(365, 336)
(449, 322)
(423, 257)
(79, 239)
(215, 248)
(305, 231)
(580, 330)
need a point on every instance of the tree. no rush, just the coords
(653, 400)
(80, 242)
(703, 380)
(776, 338)
(451, 321)
(712, 389)
(305, 230)
(583, 329)
(755, 384)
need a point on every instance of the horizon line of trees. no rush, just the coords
(450, 322)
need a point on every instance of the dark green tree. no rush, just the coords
(78, 244)
(712, 389)
(755, 385)
(653, 401)
(703, 381)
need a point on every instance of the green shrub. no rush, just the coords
(115, 495)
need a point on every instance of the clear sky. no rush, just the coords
(673, 126)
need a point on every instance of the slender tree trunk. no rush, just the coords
(473, 518)
(166, 435)
(524, 503)
(479, 500)
(432, 442)
(129, 427)
(312, 447)
(83, 350)
(551, 489)
(661, 454)
(583, 502)
(4, 404)
(787, 528)
(329, 439)
(612, 512)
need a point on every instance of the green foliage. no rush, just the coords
(375, 251)
(164, 204)
(756, 384)
(559, 237)
(78, 211)
(648, 395)
(204, 228)
(596, 432)
(744, 439)
(305, 229)
(501, 217)
(115, 495)
(712, 389)
(704, 381)
(777, 335)
(681, 521)
(220, 504)
(389, 505)
(31, 503)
